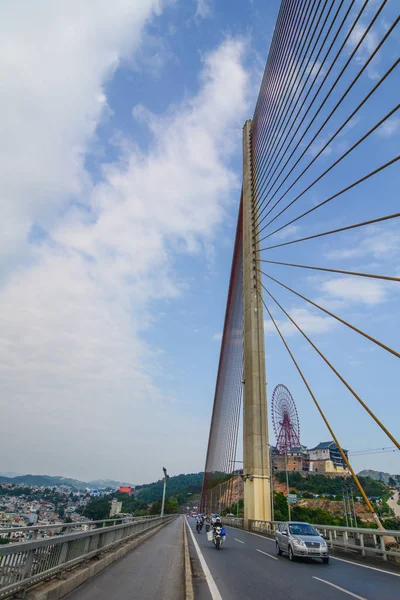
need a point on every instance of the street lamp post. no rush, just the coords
(164, 490)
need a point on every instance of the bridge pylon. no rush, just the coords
(256, 468)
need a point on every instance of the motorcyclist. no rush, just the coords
(218, 523)
(199, 523)
(208, 522)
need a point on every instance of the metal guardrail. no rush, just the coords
(46, 530)
(25, 564)
(363, 541)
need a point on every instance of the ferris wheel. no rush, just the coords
(285, 419)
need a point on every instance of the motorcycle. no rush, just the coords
(208, 527)
(218, 538)
(199, 526)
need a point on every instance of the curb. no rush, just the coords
(189, 593)
(57, 589)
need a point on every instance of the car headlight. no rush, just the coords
(299, 543)
(324, 545)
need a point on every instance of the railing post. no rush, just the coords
(256, 471)
(383, 547)
(330, 539)
(361, 536)
(26, 571)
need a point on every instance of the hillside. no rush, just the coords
(322, 485)
(181, 487)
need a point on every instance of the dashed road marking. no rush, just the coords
(340, 588)
(266, 554)
(351, 562)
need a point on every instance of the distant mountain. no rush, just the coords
(44, 480)
(10, 474)
(103, 483)
(51, 481)
(378, 475)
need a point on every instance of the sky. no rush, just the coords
(120, 183)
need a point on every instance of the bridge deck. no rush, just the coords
(247, 568)
(153, 570)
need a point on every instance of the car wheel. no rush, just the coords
(291, 555)
(278, 550)
(325, 560)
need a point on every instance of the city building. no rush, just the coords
(296, 458)
(116, 507)
(326, 458)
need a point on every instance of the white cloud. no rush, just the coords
(289, 231)
(56, 59)
(389, 128)
(309, 321)
(370, 41)
(317, 146)
(378, 243)
(217, 337)
(366, 48)
(355, 290)
(75, 372)
(203, 9)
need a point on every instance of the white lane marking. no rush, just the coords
(266, 554)
(340, 588)
(236, 540)
(251, 533)
(212, 586)
(365, 566)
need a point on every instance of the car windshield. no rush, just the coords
(302, 529)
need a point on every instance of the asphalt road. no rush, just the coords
(247, 568)
(154, 570)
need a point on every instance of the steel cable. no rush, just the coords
(344, 95)
(331, 314)
(342, 379)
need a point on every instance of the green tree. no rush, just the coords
(97, 509)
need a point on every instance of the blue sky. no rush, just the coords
(121, 180)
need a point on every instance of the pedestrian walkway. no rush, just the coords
(155, 569)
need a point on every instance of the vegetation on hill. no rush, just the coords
(98, 509)
(320, 484)
(180, 487)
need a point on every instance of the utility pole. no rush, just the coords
(272, 483)
(256, 470)
(345, 507)
(287, 486)
(354, 509)
(166, 477)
